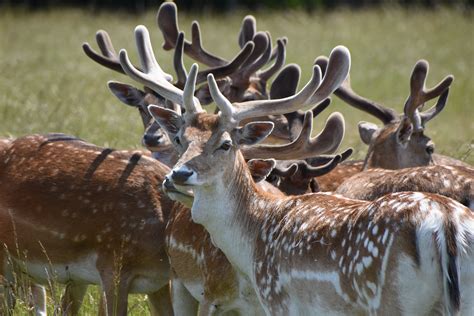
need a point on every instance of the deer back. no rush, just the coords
(456, 182)
(65, 199)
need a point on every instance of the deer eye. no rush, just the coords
(177, 141)
(225, 145)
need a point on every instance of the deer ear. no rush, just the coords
(252, 133)
(260, 168)
(127, 93)
(366, 131)
(404, 131)
(168, 119)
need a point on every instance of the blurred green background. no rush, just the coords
(47, 84)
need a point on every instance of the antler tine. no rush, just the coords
(260, 41)
(304, 146)
(275, 53)
(178, 61)
(258, 108)
(282, 171)
(167, 19)
(337, 70)
(433, 111)
(261, 60)
(152, 76)
(345, 93)
(309, 171)
(324, 159)
(109, 58)
(230, 68)
(189, 101)
(247, 30)
(146, 55)
(419, 94)
(105, 44)
(264, 75)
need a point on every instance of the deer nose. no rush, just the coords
(180, 176)
(430, 148)
(167, 184)
(151, 140)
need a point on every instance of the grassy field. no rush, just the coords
(47, 84)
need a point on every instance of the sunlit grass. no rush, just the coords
(47, 84)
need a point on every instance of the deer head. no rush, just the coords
(197, 133)
(295, 177)
(401, 141)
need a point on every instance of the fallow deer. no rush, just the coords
(401, 142)
(317, 253)
(192, 258)
(79, 214)
(456, 182)
(295, 177)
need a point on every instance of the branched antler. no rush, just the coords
(304, 146)
(419, 94)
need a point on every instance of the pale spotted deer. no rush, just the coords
(401, 142)
(193, 258)
(456, 182)
(79, 214)
(318, 253)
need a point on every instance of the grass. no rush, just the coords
(47, 84)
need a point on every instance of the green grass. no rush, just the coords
(47, 84)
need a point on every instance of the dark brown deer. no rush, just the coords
(315, 253)
(295, 177)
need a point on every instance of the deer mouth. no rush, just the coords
(180, 194)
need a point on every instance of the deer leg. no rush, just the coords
(72, 299)
(183, 302)
(38, 299)
(206, 309)
(114, 298)
(160, 302)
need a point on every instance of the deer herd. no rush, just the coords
(241, 210)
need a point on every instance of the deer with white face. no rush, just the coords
(401, 142)
(78, 214)
(318, 253)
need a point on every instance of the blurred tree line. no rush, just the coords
(226, 5)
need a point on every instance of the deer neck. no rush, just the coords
(166, 154)
(225, 210)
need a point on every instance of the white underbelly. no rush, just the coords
(196, 289)
(83, 270)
